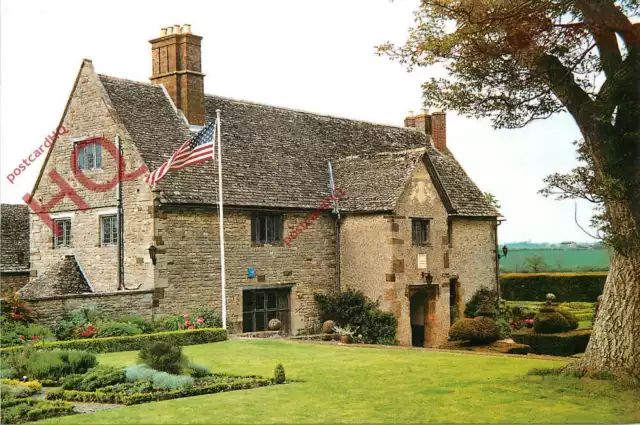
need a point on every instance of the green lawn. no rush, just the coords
(369, 385)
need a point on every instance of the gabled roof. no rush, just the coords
(63, 277)
(274, 157)
(14, 238)
(374, 182)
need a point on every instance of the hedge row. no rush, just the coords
(133, 342)
(27, 409)
(137, 398)
(560, 344)
(567, 287)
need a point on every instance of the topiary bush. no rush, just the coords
(558, 344)
(163, 356)
(97, 377)
(278, 374)
(481, 330)
(483, 297)
(571, 319)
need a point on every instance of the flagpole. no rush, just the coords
(220, 212)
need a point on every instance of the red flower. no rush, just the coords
(192, 327)
(34, 337)
(187, 323)
(200, 320)
(21, 337)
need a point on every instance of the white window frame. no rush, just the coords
(114, 236)
(88, 145)
(66, 235)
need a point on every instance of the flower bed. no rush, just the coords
(130, 343)
(134, 393)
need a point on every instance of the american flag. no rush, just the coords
(198, 149)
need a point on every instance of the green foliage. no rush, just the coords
(504, 326)
(143, 324)
(108, 329)
(570, 318)
(481, 330)
(539, 371)
(484, 298)
(163, 356)
(68, 327)
(132, 343)
(558, 344)
(204, 318)
(352, 308)
(142, 394)
(198, 371)
(97, 377)
(27, 410)
(8, 372)
(17, 333)
(15, 309)
(165, 381)
(550, 321)
(566, 286)
(57, 364)
(139, 372)
(278, 374)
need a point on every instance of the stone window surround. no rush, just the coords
(78, 139)
(101, 216)
(429, 220)
(255, 237)
(66, 233)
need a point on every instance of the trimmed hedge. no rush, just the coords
(131, 343)
(137, 398)
(28, 409)
(560, 344)
(566, 286)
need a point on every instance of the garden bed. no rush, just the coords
(129, 393)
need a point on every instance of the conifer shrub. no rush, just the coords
(278, 374)
(163, 356)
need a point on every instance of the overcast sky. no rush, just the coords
(316, 56)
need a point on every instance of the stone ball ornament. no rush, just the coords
(328, 327)
(275, 325)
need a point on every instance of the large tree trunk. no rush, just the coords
(615, 342)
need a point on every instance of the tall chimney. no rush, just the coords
(439, 130)
(434, 124)
(176, 64)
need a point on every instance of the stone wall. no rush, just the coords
(50, 311)
(90, 115)
(188, 267)
(473, 255)
(13, 281)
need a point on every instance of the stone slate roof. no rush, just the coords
(272, 157)
(14, 238)
(63, 277)
(374, 182)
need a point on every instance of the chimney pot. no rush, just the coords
(411, 113)
(176, 29)
(169, 30)
(163, 32)
(186, 29)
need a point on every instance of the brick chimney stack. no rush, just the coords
(435, 125)
(176, 64)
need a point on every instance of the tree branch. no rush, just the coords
(605, 15)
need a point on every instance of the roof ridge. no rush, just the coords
(303, 111)
(376, 154)
(128, 80)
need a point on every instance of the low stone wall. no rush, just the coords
(51, 310)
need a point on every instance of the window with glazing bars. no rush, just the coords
(266, 228)
(260, 306)
(62, 237)
(89, 155)
(108, 230)
(420, 231)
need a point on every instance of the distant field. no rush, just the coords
(558, 259)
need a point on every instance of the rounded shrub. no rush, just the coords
(163, 356)
(483, 299)
(571, 319)
(118, 329)
(550, 322)
(481, 330)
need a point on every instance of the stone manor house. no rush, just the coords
(412, 230)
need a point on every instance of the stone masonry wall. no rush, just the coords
(90, 115)
(421, 200)
(13, 281)
(188, 267)
(50, 311)
(473, 255)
